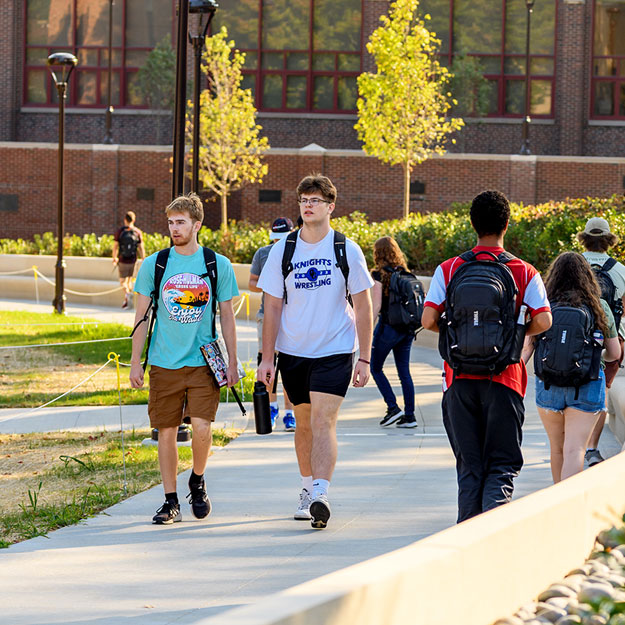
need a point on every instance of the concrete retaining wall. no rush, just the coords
(470, 574)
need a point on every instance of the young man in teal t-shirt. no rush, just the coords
(178, 374)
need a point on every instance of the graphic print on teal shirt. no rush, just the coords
(312, 274)
(185, 296)
(184, 317)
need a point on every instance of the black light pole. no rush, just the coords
(202, 7)
(181, 99)
(61, 65)
(108, 135)
(525, 145)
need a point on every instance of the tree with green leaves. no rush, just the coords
(468, 87)
(402, 106)
(231, 148)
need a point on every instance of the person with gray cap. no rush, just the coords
(597, 239)
(279, 229)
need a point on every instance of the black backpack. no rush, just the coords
(567, 354)
(339, 253)
(405, 300)
(608, 290)
(479, 334)
(159, 271)
(128, 243)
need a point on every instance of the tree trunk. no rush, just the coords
(224, 212)
(406, 167)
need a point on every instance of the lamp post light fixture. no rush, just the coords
(209, 8)
(108, 135)
(525, 145)
(61, 65)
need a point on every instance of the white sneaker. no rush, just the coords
(319, 512)
(303, 513)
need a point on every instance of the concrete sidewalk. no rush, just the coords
(391, 488)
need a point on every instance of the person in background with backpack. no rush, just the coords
(311, 280)
(597, 239)
(184, 282)
(128, 241)
(570, 384)
(479, 301)
(279, 229)
(387, 337)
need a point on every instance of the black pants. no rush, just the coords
(483, 420)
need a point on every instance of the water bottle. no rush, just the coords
(262, 412)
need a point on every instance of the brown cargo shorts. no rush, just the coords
(173, 389)
(126, 270)
(611, 368)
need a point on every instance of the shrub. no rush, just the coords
(536, 233)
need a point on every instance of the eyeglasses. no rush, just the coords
(313, 201)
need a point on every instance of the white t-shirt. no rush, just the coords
(316, 320)
(617, 273)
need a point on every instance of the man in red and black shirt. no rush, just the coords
(483, 415)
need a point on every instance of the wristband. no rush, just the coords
(363, 360)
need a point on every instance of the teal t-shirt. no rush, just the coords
(184, 318)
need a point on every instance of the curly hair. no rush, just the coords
(570, 280)
(386, 253)
(594, 243)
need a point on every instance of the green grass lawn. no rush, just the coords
(32, 376)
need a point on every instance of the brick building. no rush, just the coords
(303, 57)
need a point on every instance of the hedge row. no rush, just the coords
(536, 233)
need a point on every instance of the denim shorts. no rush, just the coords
(591, 396)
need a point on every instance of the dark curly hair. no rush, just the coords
(386, 253)
(594, 243)
(570, 280)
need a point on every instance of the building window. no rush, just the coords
(81, 27)
(608, 63)
(301, 55)
(494, 32)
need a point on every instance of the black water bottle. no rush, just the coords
(262, 413)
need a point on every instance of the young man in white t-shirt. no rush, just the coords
(310, 322)
(597, 239)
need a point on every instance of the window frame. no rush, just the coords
(72, 93)
(502, 77)
(618, 80)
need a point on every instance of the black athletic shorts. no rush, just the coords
(330, 374)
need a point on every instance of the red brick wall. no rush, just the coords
(101, 184)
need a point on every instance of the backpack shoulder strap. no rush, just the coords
(341, 261)
(159, 272)
(287, 256)
(468, 256)
(210, 260)
(505, 257)
(608, 264)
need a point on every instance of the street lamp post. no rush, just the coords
(108, 135)
(177, 186)
(525, 145)
(61, 65)
(208, 7)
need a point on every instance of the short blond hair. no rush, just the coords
(190, 204)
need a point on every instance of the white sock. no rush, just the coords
(320, 487)
(307, 483)
(273, 404)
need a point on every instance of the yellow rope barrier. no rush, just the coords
(119, 288)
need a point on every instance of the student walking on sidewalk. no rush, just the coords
(128, 244)
(478, 299)
(570, 383)
(309, 280)
(597, 239)
(388, 257)
(185, 320)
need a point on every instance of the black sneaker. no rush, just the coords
(392, 415)
(407, 421)
(200, 503)
(319, 512)
(593, 457)
(167, 514)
